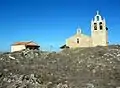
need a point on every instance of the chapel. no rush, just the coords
(98, 37)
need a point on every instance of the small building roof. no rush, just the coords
(64, 46)
(27, 43)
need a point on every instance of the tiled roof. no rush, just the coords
(30, 43)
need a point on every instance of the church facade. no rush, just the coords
(99, 35)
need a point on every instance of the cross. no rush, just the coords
(97, 12)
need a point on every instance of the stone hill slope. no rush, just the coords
(97, 67)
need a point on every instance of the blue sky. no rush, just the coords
(50, 22)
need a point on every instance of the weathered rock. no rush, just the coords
(97, 67)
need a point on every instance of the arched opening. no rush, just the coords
(95, 26)
(78, 41)
(97, 18)
(100, 24)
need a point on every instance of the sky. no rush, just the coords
(50, 22)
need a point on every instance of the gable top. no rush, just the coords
(98, 17)
(78, 30)
(30, 43)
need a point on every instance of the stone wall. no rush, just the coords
(84, 41)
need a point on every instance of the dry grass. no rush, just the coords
(97, 67)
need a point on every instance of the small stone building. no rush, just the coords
(18, 46)
(99, 35)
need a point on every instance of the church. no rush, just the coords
(99, 35)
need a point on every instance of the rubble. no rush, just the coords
(97, 67)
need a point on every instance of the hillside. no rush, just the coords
(97, 67)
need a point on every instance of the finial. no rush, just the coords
(78, 30)
(97, 12)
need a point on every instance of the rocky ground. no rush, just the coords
(97, 67)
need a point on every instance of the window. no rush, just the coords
(97, 18)
(78, 40)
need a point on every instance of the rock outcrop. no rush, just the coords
(97, 67)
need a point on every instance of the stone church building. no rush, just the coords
(99, 35)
